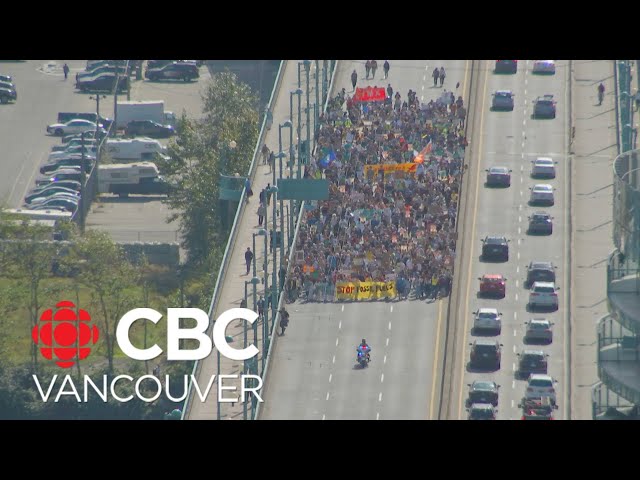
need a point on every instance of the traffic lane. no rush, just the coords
(24, 140)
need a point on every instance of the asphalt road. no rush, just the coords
(313, 372)
(513, 139)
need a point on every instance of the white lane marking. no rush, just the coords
(378, 416)
(340, 325)
(426, 67)
(516, 297)
(389, 325)
(327, 395)
(520, 207)
(518, 255)
(337, 340)
(519, 218)
(514, 349)
(519, 230)
(514, 333)
(343, 308)
(517, 283)
(518, 267)
(382, 378)
(422, 98)
(518, 241)
(323, 416)
(385, 359)
(513, 367)
(380, 397)
(391, 308)
(515, 315)
(387, 342)
(422, 87)
(334, 359)
(513, 404)
(513, 384)
(521, 193)
(522, 170)
(524, 122)
(330, 377)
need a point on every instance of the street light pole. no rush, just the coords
(325, 64)
(83, 181)
(307, 67)
(265, 322)
(315, 121)
(274, 283)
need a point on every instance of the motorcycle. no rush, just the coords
(363, 359)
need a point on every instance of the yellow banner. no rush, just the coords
(391, 167)
(365, 290)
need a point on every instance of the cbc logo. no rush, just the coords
(62, 336)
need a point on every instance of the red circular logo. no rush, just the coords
(63, 335)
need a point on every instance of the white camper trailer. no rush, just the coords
(124, 174)
(129, 111)
(139, 148)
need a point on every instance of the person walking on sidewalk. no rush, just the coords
(354, 79)
(65, 70)
(272, 161)
(265, 154)
(386, 68)
(435, 75)
(367, 68)
(374, 67)
(248, 256)
(284, 320)
(260, 305)
(247, 186)
(442, 75)
(261, 211)
(268, 193)
(600, 93)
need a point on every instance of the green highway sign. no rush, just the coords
(303, 189)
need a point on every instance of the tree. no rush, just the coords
(104, 269)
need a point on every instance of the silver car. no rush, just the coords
(542, 67)
(543, 167)
(543, 294)
(502, 100)
(539, 329)
(487, 319)
(542, 193)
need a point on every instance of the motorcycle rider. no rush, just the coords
(364, 349)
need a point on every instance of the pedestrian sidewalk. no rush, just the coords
(594, 149)
(233, 283)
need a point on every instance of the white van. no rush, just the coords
(37, 215)
(139, 148)
(124, 174)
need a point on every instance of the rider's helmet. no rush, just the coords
(364, 342)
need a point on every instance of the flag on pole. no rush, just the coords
(425, 151)
(328, 159)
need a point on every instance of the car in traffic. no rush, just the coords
(495, 248)
(487, 320)
(74, 126)
(485, 353)
(544, 67)
(542, 194)
(544, 107)
(543, 295)
(64, 203)
(506, 66)
(482, 411)
(7, 95)
(540, 386)
(543, 167)
(104, 82)
(540, 222)
(174, 71)
(532, 361)
(47, 192)
(149, 128)
(493, 285)
(498, 176)
(537, 408)
(538, 330)
(540, 272)
(502, 100)
(483, 391)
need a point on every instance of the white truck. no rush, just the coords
(139, 148)
(143, 110)
(138, 178)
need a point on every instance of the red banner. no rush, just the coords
(370, 94)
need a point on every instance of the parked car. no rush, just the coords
(88, 135)
(543, 294)
(41, 200)
(6, 78)
(543, 167)
(487, 319)
(76, 142)
(498, 176)
(506, 66)
(67, 162)
(493, 285)
(107, 68)
(104, 83)
(541, 222)
(544, 107)
(540, 272)
(485, 353)
(541, 194)
(494, 247)
(483, 391)
(532, 361)
(74, 126)
(482, 411)
(544, 67)
(47, 192)
(60, 174)
(149, 128)
(70, 184)
(92, 65)
(7, 95)
(174, 71)
(65, 203)
(503, 100)
(538, 330)
(90, 151)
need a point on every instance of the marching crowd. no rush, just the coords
(394, 170)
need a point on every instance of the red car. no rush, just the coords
(493, 284)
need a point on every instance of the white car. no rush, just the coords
(539, 329)
(542, 193)
(541, 386)
(488, 319)
(544, 66)
(74, 126)
(40, 200)
(543, 167)
(543, 294)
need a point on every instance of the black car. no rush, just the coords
(483, 391)
(496, 248)
(482, 411)
(7, 95)
(60, 174)
(541, 222)
(149, 128)
(174, 71)
(485, 353)
(67, 162)
(544, 107)
(498, 177)
(153, 64)
(104, 83)
(506, 66)
(532, 361)
(540, 272)
(122, 70)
